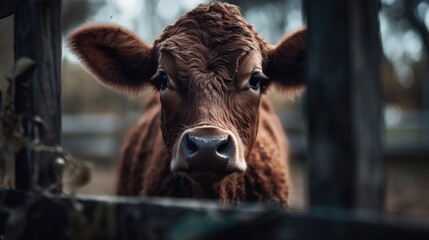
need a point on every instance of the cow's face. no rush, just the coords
(209, 115)
(210, 69)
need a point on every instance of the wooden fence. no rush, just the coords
(345, 169)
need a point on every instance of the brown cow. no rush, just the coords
(209, 131)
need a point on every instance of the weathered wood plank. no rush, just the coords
(162, 218)
(7, 8)
(343, 104)
(38, 36)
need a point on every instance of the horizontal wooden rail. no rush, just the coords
(31, 216)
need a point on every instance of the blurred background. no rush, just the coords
(95, 120)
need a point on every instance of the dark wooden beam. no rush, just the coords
(46, 217)
(37, 99)
(343, 103)
(7, 8)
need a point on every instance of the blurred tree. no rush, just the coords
(416, 20)
(406, 52)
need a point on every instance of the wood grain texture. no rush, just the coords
(38, 36)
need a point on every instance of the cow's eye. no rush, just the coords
(254, 80)
(163, 81)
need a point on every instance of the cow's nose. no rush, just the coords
(207, 151)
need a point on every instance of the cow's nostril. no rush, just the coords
(224, 148)
(190, 146)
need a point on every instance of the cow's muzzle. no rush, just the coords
(207, 154)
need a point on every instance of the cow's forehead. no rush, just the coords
(210, 38)
(194, 57)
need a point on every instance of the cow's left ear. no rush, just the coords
(286, 62)
(114, 55)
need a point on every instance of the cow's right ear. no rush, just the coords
(286, 62)
(116, 56)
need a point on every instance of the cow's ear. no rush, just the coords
(116, 56)
(286, 62)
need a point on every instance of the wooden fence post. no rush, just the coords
(38, 36)
(343, 103)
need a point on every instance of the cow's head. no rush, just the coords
(210, 68)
